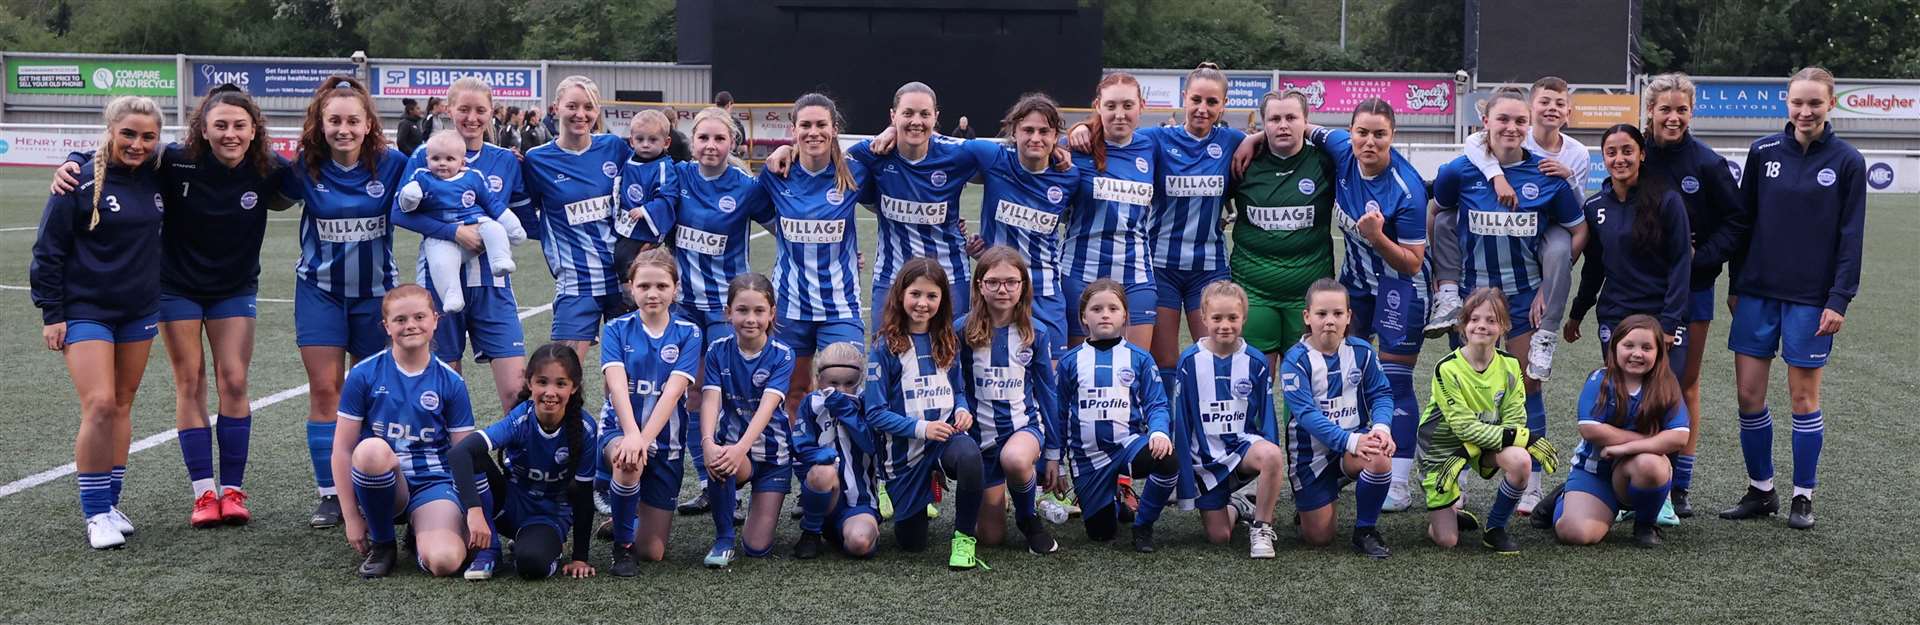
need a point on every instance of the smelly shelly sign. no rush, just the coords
(406, 81)
(92, 77)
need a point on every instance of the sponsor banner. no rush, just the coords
(1334, 94)
(1890, 174)
(275, 79)
(1602, 110)
(1721, 99)
(49, 147)
(1243, 92)
(92, 77)
(1877, 101)
(396, 81)
(1162, 91)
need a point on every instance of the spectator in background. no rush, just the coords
(680, 149)
(410, 134)
(533, 133)
(964, 130)
(548, 122)
(437, 117)
(724, 100)
(503, 134)
(1173, 119)
(510, 129)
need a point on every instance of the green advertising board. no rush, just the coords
(91, 77)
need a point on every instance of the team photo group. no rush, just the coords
(1027, 358)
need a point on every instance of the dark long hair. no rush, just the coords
(893, 318)
(259, 153)
(1659, 390)
(1649, 234)
(570, 363)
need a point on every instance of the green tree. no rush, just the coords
(1421, 36)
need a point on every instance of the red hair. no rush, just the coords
(1093, 125)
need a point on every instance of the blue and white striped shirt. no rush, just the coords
(1398, 194)
(1107, 227)
(1109, 398)
(1225, 403)
(346, 240)
(574, 193)
(815, 269)
(1499, 246)
(919, 203)
(1333, 399)
(910, 383)
(650, 361)
(710, 234)
(1192, 188)
(1023, 210)
(744, 381)
(1011, 385)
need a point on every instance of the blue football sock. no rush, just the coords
(1406, 409)
(724, 496)
(96, 492)
(234, 433)
(1756, 444)
(1022, 494)
(119, 480)
(813, 508)
(625, 501)
(1537, 418)
(376, 494)
(320, 451)
(1647, 503)
(196, 449)
(1809, 432)
(1503, 503)
(1154, 498)
(1170, 381)
(487, 506)
(1682, 471)
(1369, 496)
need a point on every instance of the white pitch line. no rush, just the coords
(149, 442)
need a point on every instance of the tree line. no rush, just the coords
(1856, 38)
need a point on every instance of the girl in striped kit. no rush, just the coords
(913, 370)
(1006, 360)
(1225, 406)
(1106, 227)
(570, 180)
(1024, 202)
(834, 445)
(1115, 419)
(347, 177)
(743, 426)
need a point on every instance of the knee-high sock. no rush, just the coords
(1368, 496)
(320, 451)
(1682, 471)
(1756, 447)
(1022, 494)
(1503, 503)
(1154, 499)
(376, 493)
(1809, 432)
(1537, 417)
(625, 501)
(1406, 409)
(813, 508)
(96, 492)
(487, 507)
(1170, 381)
(1647, 503)
(234, 434)
(722, 494)
(196, 449)
(119, 480)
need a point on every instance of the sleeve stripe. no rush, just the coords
(349, 417)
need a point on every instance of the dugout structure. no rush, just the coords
(979, 55)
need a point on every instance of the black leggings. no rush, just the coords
(1104, 524)
(960, 461)
(535, 549)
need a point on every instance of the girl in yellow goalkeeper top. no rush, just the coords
(1477, 418)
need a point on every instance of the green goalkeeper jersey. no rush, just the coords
(1282, 238)
(1469, 407)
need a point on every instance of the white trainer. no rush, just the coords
(102, 534)
(120, 520)
(1540, 354)
(1260, 541)
(1443, 314)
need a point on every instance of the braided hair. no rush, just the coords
(117, 110)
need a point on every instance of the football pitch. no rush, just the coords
(1860, 564)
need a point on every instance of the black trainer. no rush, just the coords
(1143, 538)
(697, 504)
(1496, 539)
(1367, 542)
(1465, 521)
(379, 562)
(809, 546)
(326, 514)
(1542, 517)
(1646, 536)
(1681, 507)
(1757, 503)
(1800, 513)
(1040, 542)
(623, 564)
